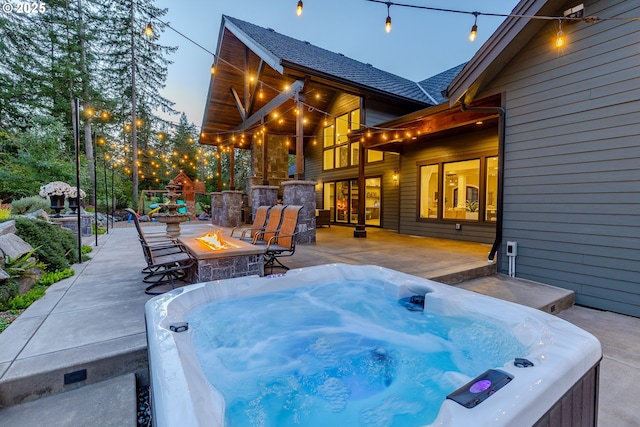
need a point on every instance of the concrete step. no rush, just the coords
(526, 292)
(110, 403)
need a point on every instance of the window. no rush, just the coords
(460, 189)
(429, 199)
(338, 152)
(328, 143)
(374, 156)
(492, 189)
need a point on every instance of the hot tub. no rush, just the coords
(547, 373)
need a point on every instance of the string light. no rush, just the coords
(387, 24)
(149, 30)
(474, 29)
(213, 69)
(299, 8)
(560, 35)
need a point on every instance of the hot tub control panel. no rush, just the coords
(480, 388)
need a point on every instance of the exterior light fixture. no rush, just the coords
(394, 177)
(474, 29)
(299, 8)
(387, 24)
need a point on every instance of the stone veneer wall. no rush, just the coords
(262, 195)
(278, 158)
(303, 193)
(229, 267)
(217, 208)
(226, 208)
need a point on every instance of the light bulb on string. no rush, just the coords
(387, 24)
(299, 8)
(474, 29)
(148, 31)
(560, 35)
(213, 69)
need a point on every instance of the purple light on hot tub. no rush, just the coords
(480, 386)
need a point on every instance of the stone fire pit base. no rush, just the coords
(243, 260)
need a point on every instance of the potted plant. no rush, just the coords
(56, 191)
(72, 194)
(472, 209)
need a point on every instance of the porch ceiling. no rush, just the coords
(428, 124)
(255, 85)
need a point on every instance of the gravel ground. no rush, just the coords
(144, 410)
(9, 317)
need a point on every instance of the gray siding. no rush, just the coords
(572, 181)
(457, 147)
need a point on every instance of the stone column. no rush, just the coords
(262, 195)
(232, 201)
(217, 208)
(303, 193)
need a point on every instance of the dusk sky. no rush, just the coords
(421, 44)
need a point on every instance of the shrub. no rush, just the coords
(55, 246)
(5, 214)
(29, 204)
(51, 277)
(20, 302)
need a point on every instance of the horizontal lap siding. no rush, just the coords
(572, 180)
(450, 148)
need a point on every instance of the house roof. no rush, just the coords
(434, 86)
(500, 48)
(285, 51)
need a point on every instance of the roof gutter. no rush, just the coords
(501, 137)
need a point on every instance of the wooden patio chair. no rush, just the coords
(272, 226)
(283, 244)
(258, 225)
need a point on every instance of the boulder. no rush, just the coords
(13, 246)
(7, 227)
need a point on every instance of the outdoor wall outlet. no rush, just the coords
(458, 226)
(512, 248)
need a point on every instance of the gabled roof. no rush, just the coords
(433, 86)
(501, 47)
(281, 51)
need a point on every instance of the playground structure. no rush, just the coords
(186, 187)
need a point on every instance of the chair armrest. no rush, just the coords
(274, 239)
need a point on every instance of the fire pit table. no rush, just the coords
(221, 257)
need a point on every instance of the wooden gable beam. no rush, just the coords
(239, 105)
(295, 88)
(254, 92)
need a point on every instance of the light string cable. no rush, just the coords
(506, 15)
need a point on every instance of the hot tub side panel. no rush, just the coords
(578, 406)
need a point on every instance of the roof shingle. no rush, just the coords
(337, 65)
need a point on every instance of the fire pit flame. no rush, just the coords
(213, 241)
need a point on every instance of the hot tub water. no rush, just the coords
(339, 354)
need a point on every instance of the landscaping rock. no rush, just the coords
(13, 246)
(3, 275)
(7, 227)
(39, 214)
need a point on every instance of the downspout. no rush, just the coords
(501, 137)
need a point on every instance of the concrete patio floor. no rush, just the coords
(93, 324)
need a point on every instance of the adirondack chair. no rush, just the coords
(258, 225)
(272, 226)
(283, 243)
